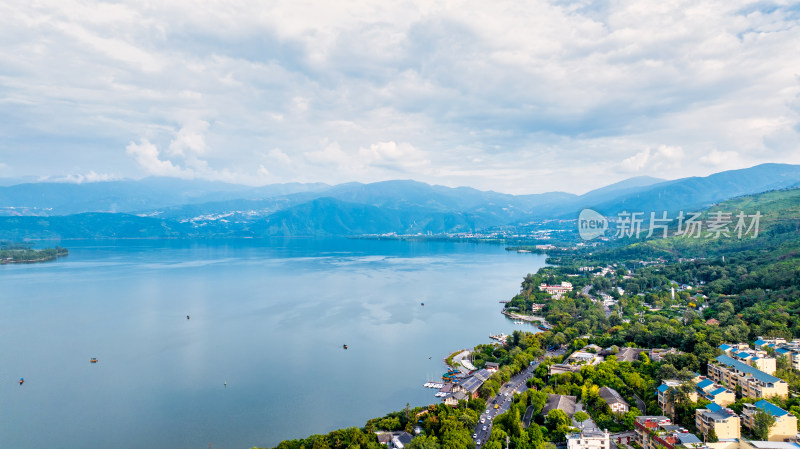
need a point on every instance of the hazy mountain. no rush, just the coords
(695, 193)
(61, 198)
(180, 208)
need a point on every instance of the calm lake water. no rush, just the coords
(268, 317)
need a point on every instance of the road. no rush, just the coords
(503, 399)
(585, 291)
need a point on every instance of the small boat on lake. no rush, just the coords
(344, 346)
(422, 303)
(21, 380)
(93, 360)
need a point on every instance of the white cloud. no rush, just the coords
(467, 92)
(148, 158)
(654, 160)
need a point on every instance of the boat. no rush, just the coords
(422, 303)
(187, 317)
(93, 360)
(21, 380)
(344, 346)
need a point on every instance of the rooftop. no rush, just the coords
(745, 368)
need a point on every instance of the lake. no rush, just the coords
(260, 360)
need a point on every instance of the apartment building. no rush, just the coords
(658, 432)
(785, 426)
(714, 392)
(753, 382)
(663, 394)
(724, 421)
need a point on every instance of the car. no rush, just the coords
(478, 443)
(496, 406)
(474, 436)
(483, 420)
(484, 427)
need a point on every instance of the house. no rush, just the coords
(589, 440)
(658, 354)
(724, 422)
(453, 398)
(629, 354)
(492, 367)
(560, 402)
(712, 322)
(753, 382)
(401, 439)
(384, 437)
(614, 400)
(785, 423)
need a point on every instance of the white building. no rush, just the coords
(589, 440)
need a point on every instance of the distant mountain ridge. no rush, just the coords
(164, 207)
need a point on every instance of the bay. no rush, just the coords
(260, 359)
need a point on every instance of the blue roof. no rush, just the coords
(714, 407)
(760, 342)
(782, 350)
(771, 345)
(663, 388)
(771, 408)
(724, 347)
(743, 355)
(719, 390)
(705, 383)
(745, 368)
(755, 358)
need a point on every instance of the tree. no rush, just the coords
(581, 416)
(424, 442)
(712, 436)
(762, 423)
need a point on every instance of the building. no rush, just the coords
(714, 392)
(785, 426)
(664, 400)
(560, 368)
(492, 367)
(758, 357)
(401, 439)
(614, 400)
(782, 348)
(753, 382)
(724, 422)
(658, 432)
(589, 440)
(556, 290)
(453, 398)
(629, 354)
(559, 402)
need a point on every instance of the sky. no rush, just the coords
(517, 97)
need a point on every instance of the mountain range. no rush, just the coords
(168, 207)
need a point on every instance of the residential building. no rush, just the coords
(453, 398)
(757, 358)
(753, 382)
(401, 439)
(560, 402)
(785, 426)
(724, 422)
(658, 432)
(614, 400)
(492, 367)
(714, 392)
(589, 440)
(664, 400)
(782, 348)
